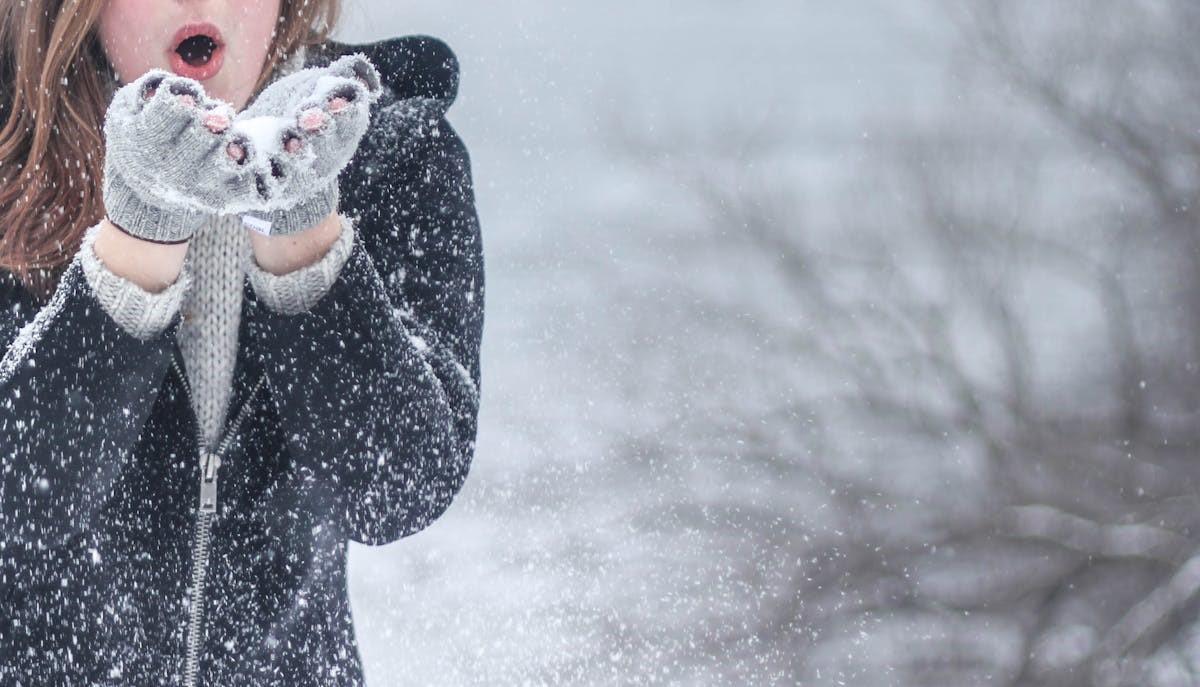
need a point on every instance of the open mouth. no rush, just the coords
(198, 51)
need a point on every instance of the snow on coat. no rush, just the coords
(362, 430)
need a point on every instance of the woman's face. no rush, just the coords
(220, 43)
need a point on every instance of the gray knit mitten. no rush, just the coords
(296, 137)
(166, 165)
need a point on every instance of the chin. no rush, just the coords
(226, 92)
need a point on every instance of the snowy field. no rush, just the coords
(571, 557)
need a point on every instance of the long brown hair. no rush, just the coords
(55, 85)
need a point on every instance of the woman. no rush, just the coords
(222, 359)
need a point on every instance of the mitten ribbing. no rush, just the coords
(305, 215)
(143, 220)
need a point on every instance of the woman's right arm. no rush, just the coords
(77, 381)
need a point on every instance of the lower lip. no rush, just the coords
(201, 73)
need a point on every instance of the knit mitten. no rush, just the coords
(166, 167)
(296, 137)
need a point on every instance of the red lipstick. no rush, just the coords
(197, 51)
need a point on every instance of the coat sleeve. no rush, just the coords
(75, 391)
(376, 384)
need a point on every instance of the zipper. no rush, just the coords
(205, 512)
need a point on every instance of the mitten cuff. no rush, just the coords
(142, 313)
(137, 217)
(298, 290)
(306, 214)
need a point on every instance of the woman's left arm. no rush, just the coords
(376, 383)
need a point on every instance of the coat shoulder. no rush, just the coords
(415, 66)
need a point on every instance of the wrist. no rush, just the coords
(284, 253)
(152, 266)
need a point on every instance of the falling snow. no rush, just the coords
(826, 344)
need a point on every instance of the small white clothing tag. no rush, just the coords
(258, 224)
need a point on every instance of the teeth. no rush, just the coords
(197, 50)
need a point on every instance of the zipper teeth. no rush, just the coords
(237, 421)
(199, 568)
(187, 388)
(224, 442)
(199, 561)
(203, 539)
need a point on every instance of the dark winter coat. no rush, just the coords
(363, 431)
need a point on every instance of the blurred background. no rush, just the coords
(826, 343)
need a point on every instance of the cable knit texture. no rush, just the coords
(212, 311)
(209, 292)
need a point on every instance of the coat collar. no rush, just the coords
(421, 67)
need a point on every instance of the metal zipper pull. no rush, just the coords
(210, 463)
(208, 482)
